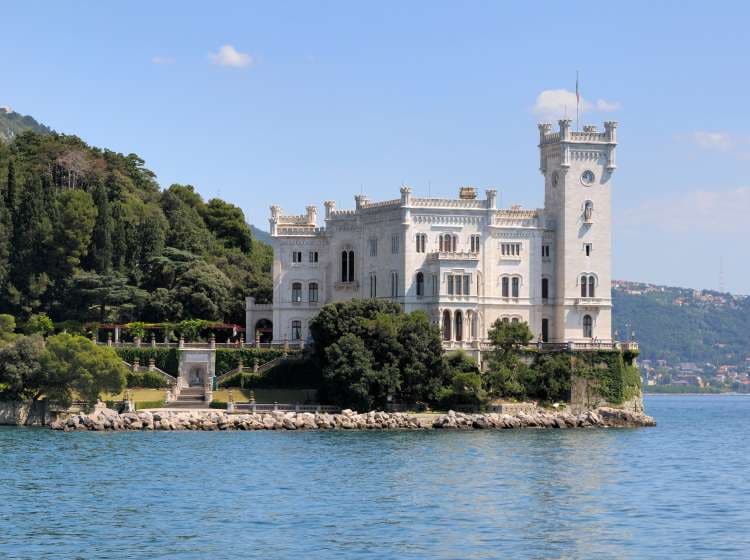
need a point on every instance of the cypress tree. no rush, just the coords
(101, 246)
(10, 189)
(31, 228)
(119, 236)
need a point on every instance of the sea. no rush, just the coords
(679, 490)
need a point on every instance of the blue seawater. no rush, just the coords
(680, 490)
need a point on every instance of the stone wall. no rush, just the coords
(17, 413)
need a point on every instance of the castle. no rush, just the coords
(463, 261)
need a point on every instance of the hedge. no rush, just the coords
(167, 359)
(615, 379)
(294, 373)
(146, 380)
(229, 359)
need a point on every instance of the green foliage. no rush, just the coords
(293, 373)
(680, 389)
(229, 359)
(75, 365)
(137, 329)
(7, 328)
(190, 329)
(21, 374)
(680, 325)
(608, 375)
(83, 229)
(146, 380)
(166, 359)
(39, 323)
(369, 353)
(142, 405)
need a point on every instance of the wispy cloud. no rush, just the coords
(709, 211)
(552, 104)
(163, 60)
(229, 56)
(720, 141)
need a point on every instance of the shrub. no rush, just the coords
(229, 359)
(146, 380)
(293, 373)
(166, 359)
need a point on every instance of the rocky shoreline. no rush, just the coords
(104, 419)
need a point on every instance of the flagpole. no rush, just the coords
(578, 102)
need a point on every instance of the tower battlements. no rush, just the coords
(567, 143)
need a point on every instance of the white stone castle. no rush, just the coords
(463, 261)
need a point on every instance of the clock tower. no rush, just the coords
(577, 167)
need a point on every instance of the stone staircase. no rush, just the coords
(190, 397)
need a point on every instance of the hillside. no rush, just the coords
(87, 234)
(683, 325)
(12, 124)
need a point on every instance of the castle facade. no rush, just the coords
(464, 261)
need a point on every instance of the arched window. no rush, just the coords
(297, 292)
(455, 243)
(446, 325)
(351, 266)
(515, 285)
(344, 265)
(506, 286)
(459, 326)
(591, 286)
(588, 211)
(514, 321)
(474, 325)
(584, 284)
(440, 241)
(545, 288)
(296, 330)
(420, 284)
(312, 292)
(588, 326)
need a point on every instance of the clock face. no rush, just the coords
(555, 179)
(587, 177)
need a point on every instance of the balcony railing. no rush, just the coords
(449, 256)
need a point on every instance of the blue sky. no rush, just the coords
(295, 103)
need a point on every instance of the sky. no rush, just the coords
(299, 102)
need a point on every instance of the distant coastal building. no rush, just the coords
(463, 261)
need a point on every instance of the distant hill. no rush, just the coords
(683, 325)
(12, 124)
(260, 235)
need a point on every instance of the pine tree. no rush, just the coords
(101, 247)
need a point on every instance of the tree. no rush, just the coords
(423, 370)
(74, 365)
(203, 291)
(227, 222)
(349, 373)
(119, 237)
(21, 368)
(7, 328)
(186, 228)
(101, 246)
(77, 216)
(508, 376)
(10, 187)
(39, 323)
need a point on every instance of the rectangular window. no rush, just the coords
(587, 248)
(373, 285)
(297, 292)
(435, 285)
(421, 242)
(474, 243)
(515, 284)
(510, 249)
(450, 284)
(296, 330)
(506, 286)
(394, 244)
(313, 292)
(373, 247)
(545, 251)
(313, 256)
(394, 284)
(457, 284)
(467, 284)
(545, 288)
(296, 256)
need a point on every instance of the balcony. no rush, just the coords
(347, 286)
(592, 302)
(449, 256)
